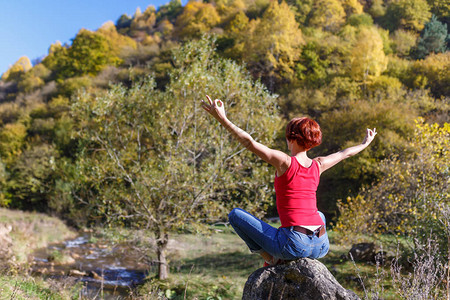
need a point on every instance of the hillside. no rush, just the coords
(348, 64)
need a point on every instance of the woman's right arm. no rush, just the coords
(280, 160)
(326, 162)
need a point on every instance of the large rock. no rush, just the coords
(303, 279)
(363, 252)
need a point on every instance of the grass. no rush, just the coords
(217, 267)
(24, 287)
(31, 231)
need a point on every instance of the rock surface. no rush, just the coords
(363, 252)
(303, 279)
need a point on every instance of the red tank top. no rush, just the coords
(296, 195)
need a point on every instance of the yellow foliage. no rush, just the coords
(327, 14)
(118, 41)
(227, 8)
(12, 137)
(433, 72)
(165, 27)
(368, 59)
(352, 7)
(144, 21)
(19, 67)
(197, 18)
(275, 39)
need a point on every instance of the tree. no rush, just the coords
(272, 43)
(352, 7)
(433, 39)
(123, 23)
(302, 8)
(197, 18)
(403, 42)
(31, 179)
(143, 22)
(156, 160)
(228, 8)
(432, 73)
(407, 14)
(441, 9)
(368, 58)
(313, 65)
(327, 14)
(89, 53)
(34, 78)
(169, 11)
(19, 68)
(12, 139)
(116, 40)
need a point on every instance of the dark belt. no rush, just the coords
(319, 231)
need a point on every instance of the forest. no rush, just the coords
(109, 130)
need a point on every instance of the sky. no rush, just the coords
(29, 27)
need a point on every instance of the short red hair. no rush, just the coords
(305, 131)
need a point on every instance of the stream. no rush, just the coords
(107, 271)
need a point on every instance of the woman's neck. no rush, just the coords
(301, 156)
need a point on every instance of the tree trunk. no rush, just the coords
(161, 246)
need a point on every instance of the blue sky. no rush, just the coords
(29, 27)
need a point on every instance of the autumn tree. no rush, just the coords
(197, 18)
(368, 59)
(272, 43)
(19, 68)
(407, 14)
(229, 8)
(302, 8)
(34, 78)
(12, 139)
(116, 40)
(352, 7)
(327, 14)
(89, 53)
(169, 11)
(431, 73)
(403, 42)
(155, 159)
(31, 177)
(441, 9)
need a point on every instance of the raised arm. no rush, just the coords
(326, 162)
(280, 160)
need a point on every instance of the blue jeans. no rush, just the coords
(284, 243)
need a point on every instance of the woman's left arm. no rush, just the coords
(326, 162)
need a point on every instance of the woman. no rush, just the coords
(302, 232)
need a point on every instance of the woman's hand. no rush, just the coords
(216, 108)
(370, 135)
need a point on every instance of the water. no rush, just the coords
(107, 271)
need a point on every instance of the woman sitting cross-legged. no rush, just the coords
(302, 232)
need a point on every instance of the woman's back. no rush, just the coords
(296, 194)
